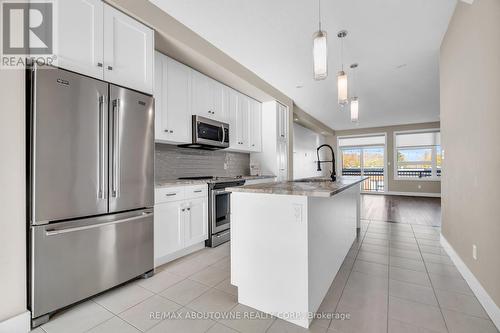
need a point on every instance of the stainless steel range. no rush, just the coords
(219, 207)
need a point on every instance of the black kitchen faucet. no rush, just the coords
(333, 175)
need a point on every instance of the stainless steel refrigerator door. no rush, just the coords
(69, 146)
(78, 259)
(131, 150)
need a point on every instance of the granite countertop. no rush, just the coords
(186, 182)
(311, 187)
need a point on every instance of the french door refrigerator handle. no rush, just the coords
(116, 156)
(53, 232)
(101, 148)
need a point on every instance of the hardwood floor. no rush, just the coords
(401, 209)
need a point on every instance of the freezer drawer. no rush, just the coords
(74, 260)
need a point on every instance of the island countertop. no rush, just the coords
(311, 187)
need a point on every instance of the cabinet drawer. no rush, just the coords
(169, 194)
(196, 191)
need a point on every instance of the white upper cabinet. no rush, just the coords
(242, 122)
(255, 126)
(282, 122)
(80, 36)
(245, 114)
(207, 97)
(128, 51)
(201, 95)
(99, 41)
(172, 91)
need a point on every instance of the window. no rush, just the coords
(418, 155)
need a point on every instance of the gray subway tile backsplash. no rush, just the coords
(172, 162)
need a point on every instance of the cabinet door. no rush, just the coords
(128, 51)
(80, 36)
(196, 222)
(161, 131)
(201, 95)
(217, 95)
(242, 121)
(255, 126)
(169, 228)
(282, 122)
(282, 160)
(232, 102)
(177, 118)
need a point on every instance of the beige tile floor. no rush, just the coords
(395, 279)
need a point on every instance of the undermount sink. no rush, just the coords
(313, 180)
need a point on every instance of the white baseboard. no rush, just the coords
(414, 194)
(181, 253)
(17, 324)
(486, 301)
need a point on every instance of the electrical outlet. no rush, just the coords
(419, 187)
(225, 166)
(474, 251)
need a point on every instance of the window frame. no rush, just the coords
(434, 175)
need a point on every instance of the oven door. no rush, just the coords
(221, 211)
(210, 132)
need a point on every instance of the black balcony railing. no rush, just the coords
(375, 181)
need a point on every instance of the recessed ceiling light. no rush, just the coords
(401, 66)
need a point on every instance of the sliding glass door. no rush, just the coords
(365, 161)
(364, 156)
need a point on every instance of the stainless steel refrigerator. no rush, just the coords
(90, 172)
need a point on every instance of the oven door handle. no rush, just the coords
(218, 192)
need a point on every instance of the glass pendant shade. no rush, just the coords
(342, 88)
(320, 54)
(354, 109)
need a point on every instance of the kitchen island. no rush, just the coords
(288, 241)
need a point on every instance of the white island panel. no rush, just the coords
(287, 249)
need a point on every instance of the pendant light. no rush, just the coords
(341, 75)
(354, 98)
(320, 51)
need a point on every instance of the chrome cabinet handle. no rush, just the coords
(116, 156)
(53, 232)
(99, 64)
(170, 194)
(188, 209)
(110, 68)
(197, 191)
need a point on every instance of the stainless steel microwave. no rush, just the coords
(209, 134)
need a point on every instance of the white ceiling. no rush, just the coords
(395, 42)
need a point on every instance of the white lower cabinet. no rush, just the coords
(168, 229)
(194, 230)
(180, 222)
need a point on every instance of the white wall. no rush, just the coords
(305, 143)
(12, 195)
